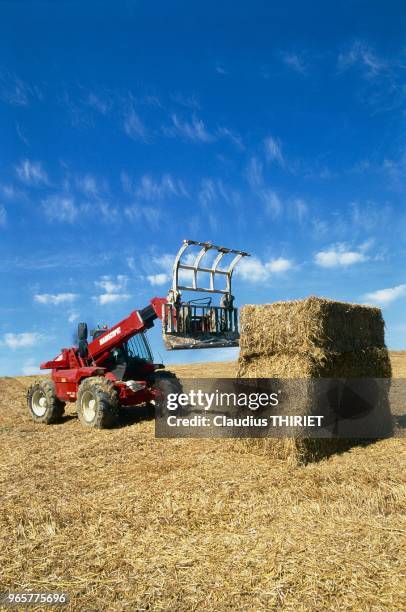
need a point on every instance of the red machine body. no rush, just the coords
(70, 368)
(116, 367)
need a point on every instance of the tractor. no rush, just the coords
(115, 366)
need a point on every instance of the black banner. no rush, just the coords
(256, 408)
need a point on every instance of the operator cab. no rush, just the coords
(136, 347)
(127, 361)
(131, 359)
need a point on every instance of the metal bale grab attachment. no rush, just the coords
(197, 323)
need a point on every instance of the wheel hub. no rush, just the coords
(88, 405)
(39, 403)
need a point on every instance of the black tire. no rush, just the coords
(97, 403)
(43, 403)
(164, 383)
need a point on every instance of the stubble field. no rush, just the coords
(123, 521)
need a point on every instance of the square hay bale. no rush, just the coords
(367, 363)
(314, 326)
(312, 339)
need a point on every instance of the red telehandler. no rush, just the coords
(115, 368)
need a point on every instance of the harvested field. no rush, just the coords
(123, 521)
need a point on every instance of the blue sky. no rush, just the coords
(277, 128)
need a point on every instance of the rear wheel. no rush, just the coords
(98, 403)
(43, 403)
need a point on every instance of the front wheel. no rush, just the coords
(43, 403)
(98, 403)
(165, 383)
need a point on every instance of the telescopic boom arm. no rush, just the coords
(185, 325)
(99, 349)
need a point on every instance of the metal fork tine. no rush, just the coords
(214, 268)
(196, 267)
(198, 259)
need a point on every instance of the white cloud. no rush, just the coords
(194, 130)
(127, 183)
(60, 208)
(158, 279)
(340, 255)
(213, 190)
(15, 341)
(9, 192)
(88, 185)
(109, 298)
(131, 263)
(210, 193)
(370, 217)
(14, 90)
(224, 132)
(108, 214)
(394, 169)
(21, 135)
(3, 215)
(273, 204)
(31, 173)
(270, 199)
(361, 55)
(279, 265)
(73, 316)
(112, 284)
(254, 270)
(295, 62)
(273, 151)
(134, 213)
(386, 296)
(55, 299)
(64, 208)
(159, 269)
(147, 188)
(300, 208)
(165, 262)
(98, 103)
(134, 127)
(197, 131)
(114, 289)
(190, 101)
(254, 173)
(150, 214)
(207, 193)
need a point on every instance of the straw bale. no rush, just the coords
(366, 363)
(312, 326)
(312, 339)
